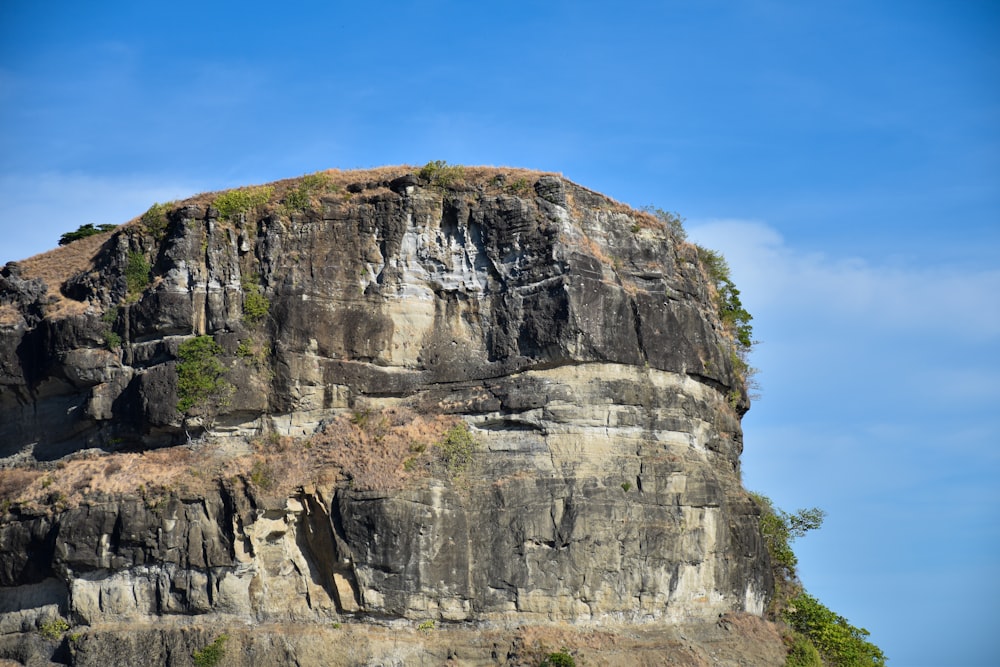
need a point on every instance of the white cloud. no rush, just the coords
(780, 280)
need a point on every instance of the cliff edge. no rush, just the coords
(448, 404)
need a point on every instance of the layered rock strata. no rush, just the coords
(576, 338)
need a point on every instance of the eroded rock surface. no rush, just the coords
(576, 338)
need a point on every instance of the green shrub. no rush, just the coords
(54, 628)
(110, 316)
(672, 221)
(137, 275)
(211, 655)
(309, 186)
(297, 200)
(559, 659)
(243, 200)
(520, 186)
(155, 219)
(457, 448)
(734, 316)
(201, 379)
(111, 339)
(801, 652)
(626, 486)
(262, 475)
(245, 349)
(440, 173)
(317, 182)
(426, 626)
(840, 643)
(256, 306)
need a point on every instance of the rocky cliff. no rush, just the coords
(465, 401)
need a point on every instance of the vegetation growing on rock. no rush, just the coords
(457, 448)
(442, 174)
(554, 331)
(310, 186)
(137, 275)
(255, 305)
(734, 316)
(155, 219)
(211, 655)
(83, 231)
(242, 200)
(201, 383)
(817, 635)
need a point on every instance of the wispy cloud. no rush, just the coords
(893, 297)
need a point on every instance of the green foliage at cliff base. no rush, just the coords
(840, 643)
(816, 631)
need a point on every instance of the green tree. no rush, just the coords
(780, 529)
(813, 626)
(202, 387)
(83, 231)
(840, 643)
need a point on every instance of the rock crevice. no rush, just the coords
(576, 339)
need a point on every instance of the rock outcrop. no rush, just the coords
(573, 343)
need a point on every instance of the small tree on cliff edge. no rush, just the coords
(814, 630)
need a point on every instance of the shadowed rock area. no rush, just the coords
(481, 410)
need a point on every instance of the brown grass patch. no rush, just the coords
(373, 450)
(370, 450)
(9, 315)
(597, 252)
(60, 264)
(337, 180)
(15, 481)
(156, 472)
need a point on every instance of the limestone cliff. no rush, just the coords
(363, 323)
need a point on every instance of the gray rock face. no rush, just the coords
(576, 338)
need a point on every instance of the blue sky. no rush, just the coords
(844, 156)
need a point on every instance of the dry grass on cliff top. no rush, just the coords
(377, 450)
(58, 265)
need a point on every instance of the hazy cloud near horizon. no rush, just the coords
(902, 297)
